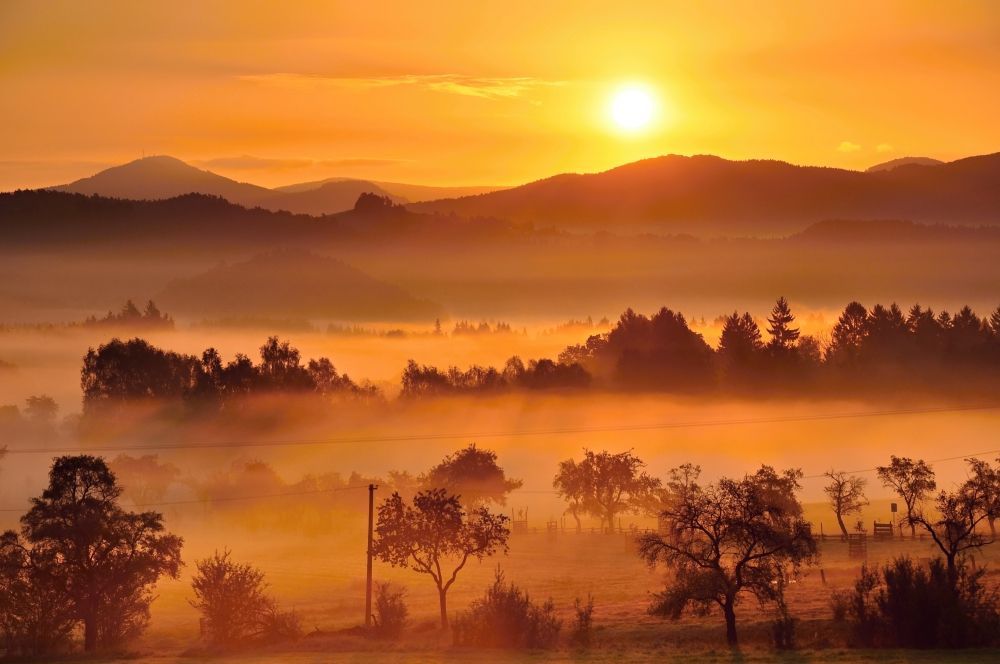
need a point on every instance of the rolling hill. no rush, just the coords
(293, 283)
(711, 195)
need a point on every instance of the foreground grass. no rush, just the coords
(596, 656)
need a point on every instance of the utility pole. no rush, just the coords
(368, 580)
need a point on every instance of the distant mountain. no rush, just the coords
(410, 193)
(711, 195)
(903, 161)
(329, 198)
(162, 177)
(293, 283)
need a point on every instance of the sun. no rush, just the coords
(632, 108)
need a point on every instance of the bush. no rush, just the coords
(908, 606)
(583, 623)
(390, 611)
(235, 608)
(507, 618)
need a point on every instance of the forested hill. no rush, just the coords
(51, 218)
(710, 195)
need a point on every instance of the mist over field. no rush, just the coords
(499, 332)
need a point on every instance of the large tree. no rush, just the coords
(474, 475)
(912, 480)
(436, 536)
(726, 539)
(846, 494)
(605, 485)
(106, 559)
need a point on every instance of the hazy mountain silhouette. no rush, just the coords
(400, 192)
(162, 177)
(903, 161)
(706, 194)
(293, 283)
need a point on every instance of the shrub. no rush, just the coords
(507, 618)
(390, 611)
(235, 608)
(583, 623)
(905, 605)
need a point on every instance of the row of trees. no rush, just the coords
(427, 381)
(662, 352)
(640, 352)
(122, 371)
(129, 316)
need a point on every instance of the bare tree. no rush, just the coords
(605, 484)
(987, 480)
(846, 494)
(955, 529)
(725, 539)
(435, 536)
(912, 480)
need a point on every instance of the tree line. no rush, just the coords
(867, 348)
(866, 345)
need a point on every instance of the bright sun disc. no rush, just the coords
(632, 108)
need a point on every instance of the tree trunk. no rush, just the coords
(89, 633)
(579, 526)
(730, 613)
(913, 528)
(840, 522)
(443, 598)
(993, 527)
(952, 569)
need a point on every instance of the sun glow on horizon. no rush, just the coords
(633, 108)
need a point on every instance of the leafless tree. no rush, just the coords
(846, 494)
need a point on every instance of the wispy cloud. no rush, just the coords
(884, 147)
(848, 146)
(488, 87)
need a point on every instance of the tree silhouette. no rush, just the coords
(472, 474)
(232, 598)
(605, 485)
(729, 538)
(986, 479)
(783, 335)
(846, 494)
(108, 559)
(955, 527)
(912, 480)
(437, 537)
(144, 479)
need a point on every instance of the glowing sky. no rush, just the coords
(477, 93)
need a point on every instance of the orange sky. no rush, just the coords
(486, 93)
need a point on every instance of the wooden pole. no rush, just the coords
(368, 579)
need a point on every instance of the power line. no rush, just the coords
(225, 499)
(500, 434)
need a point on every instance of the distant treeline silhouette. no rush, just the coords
(662, 352)
(867, 348)
(122, 371)
(130, 316)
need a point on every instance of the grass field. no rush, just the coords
(321, 578)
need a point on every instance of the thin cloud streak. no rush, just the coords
(470, 86)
